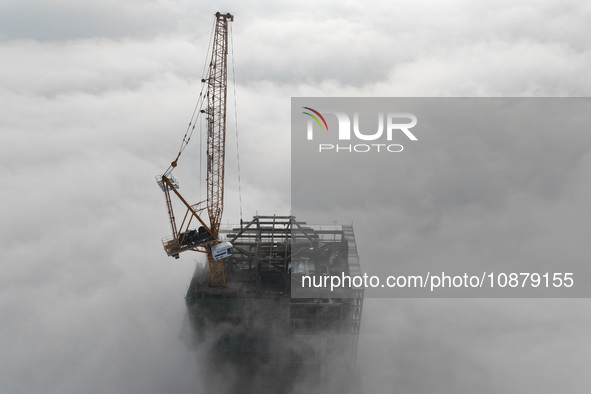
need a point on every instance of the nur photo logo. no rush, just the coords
(390, 125)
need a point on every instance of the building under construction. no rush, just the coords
(247, 306)
(254, 325)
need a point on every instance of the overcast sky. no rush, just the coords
(95, 98)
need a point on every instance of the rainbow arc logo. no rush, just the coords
(315, 118)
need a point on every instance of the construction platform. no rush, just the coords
(258, 327)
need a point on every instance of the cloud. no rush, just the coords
(58, 20)
(95, 100)
(487, 346)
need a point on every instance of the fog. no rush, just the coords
(95, 100)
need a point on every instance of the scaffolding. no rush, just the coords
(254, 321)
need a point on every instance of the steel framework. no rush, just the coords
(257, 320)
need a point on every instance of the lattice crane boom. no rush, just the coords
(205, 238)
(216, 120)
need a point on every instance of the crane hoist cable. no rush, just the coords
(236, 123)
(196, 110)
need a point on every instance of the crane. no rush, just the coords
(205, 238)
